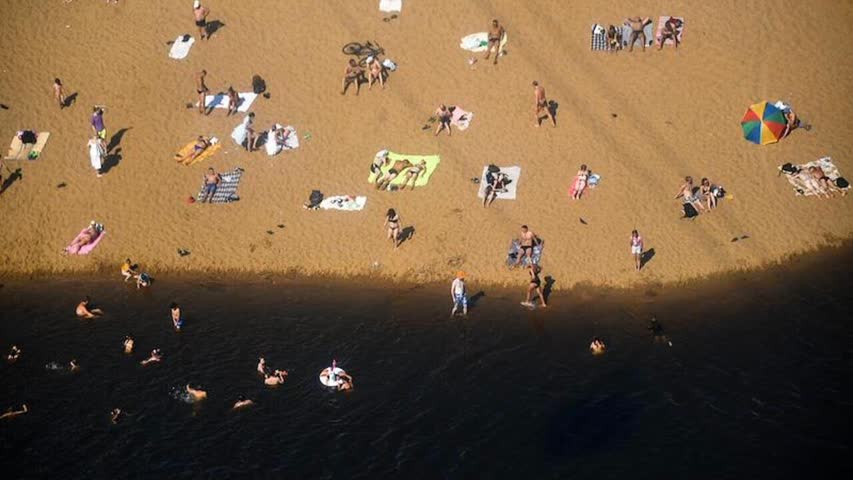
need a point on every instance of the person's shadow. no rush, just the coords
(472, 302)
(115, 140)
(552, 109)
(212, 27)
(646, 257)
(111, 160)
(549, 285)
(407, 234)
(69, 100)
(14, 177)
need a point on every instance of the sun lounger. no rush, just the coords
(208, 152)
(19, 150)
(343, 202)
(181, 47)
(460, 118)
(514, 174)
(220, 100)
(226, 192)
(679, 31)
(432, 162)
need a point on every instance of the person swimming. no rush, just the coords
(242, 402)
(657, 331)
(13, 355)
(597, 346)
(73, 366)
(262, 367)
(277, 378)
(9, 413)
(116, 415)
(195, 393)
(156, 356)
(177, 319)
(128, 344)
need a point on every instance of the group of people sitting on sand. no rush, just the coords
(373, 71)
(413, 171)
(698, 199)
(812, 180)
(129, 271)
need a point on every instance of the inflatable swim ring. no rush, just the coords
(325, 380)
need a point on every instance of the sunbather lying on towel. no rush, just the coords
(581, 180)
(200, 145)
(395, 170)
(686, 191)
(496, 186)
(637, 24)
(86, 237)
(413, 173)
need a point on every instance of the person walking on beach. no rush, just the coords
(541, 103)
(527, 240)
(201, 89)
(534, 285)
(211, 183)
(59, 92)
(496, 33)
(392, 221)
(637, 249)
(352, 74)
(99, 127)
(177, 319)
(459, 294)
(200, 13)
(444, 116)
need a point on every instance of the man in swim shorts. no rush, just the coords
(637, 25)
(444, 117)
(459, 294)
(352, 74)
(211, 183)
(200, 13)
(541, 102)
(526, 240)
(496, 33)
(98, 126)
(669, 31)
(395, 170)
(201, 89)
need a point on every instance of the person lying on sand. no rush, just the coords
(669, 31)
(496, 33)
(88, 236)
(637, 25)
(280, 134)
(128, 344)
(196, 394)
(597, 346)
(825, 185)
(352, 74)
(413, 173)
(527, 240)
(200, 146)
(242, 402)
(580, 182)
(444, 116)
(497, 186)
(211, 183)
(375, 72)
(14, 413)
(13, 355)
(277, 378)
(395, 170)
(84, 312)
(686, 192)
(155, 357)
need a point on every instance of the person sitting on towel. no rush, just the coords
(824, 184)
(233, 101)
(375, 71)
(395, 170)
(352, 74)
(614, 37)
(413, 173)
(706, 191)
(670, 30)
(793, 122)
(211, 183)
(201, 145)
(496, 186)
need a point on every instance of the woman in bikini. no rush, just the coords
(201, 145)
(392, 221)
(580, 182)
(413, 173)
(534, 285)
(393, 172)
(707, 191)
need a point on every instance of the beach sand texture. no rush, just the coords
(642, 121)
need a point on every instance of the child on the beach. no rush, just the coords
(459, 294)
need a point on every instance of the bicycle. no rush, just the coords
(363, 51)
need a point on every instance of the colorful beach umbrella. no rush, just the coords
(763, 123)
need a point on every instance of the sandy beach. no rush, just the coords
(641, 120)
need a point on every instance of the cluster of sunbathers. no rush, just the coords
(702, 198)
(412, 171)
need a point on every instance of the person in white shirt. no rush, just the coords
(459, 294)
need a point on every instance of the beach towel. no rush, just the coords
(96, 154)
(19, 150)
(85, 249)
(220, 100)
(825, 164)
(239, 133)
(291, 141)
(515, 250)
(599, 38)
(648, 30)
(479, 42)
(432, 162)
(343, 202)
(227, 190)
(181, 48)
(461, 119)
(209, 151)
(514, 173)
(390, 5)
(679, 30)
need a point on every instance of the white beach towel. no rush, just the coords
(478, 42)
(390, 5)
(239, 132)
(220, 100)
(291, 142)
(825, 164)
(343, 202)
(461, 118)
(648, 30)
(181, 48)
(514, 173)
(96, 154)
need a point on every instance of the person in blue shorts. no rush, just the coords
(177, 319)
(459, 294)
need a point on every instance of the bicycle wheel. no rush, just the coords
(352, 48)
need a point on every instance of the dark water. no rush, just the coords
(755, 384)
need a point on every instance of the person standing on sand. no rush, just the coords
(496, 33)
(392, 221)
(444, 116)
(59, 92)
(535, 285)
(200, 13)
(541, 103)
(177, 320)
(459, 294)
(99, 127)
(637, 249)
(201, 89)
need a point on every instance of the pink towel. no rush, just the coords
(461, 118)
(85, 249)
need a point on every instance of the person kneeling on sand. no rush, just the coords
(195, 393)
(155, 357)
(84, 312)
(597, 346)
(242, 402)
(277, 378)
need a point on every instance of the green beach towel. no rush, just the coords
(432, 162)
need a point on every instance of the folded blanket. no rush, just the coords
(432, 162)
(514, 173)
(85, 249)
(515, 251)
(679, 30)
(461, 119)
(599, 38)
(648, 30)
(19, 150)
(343, 202)
(479, 42)
(390, 5)
(181, 48)
(226, 191)
(804, 186)
(188, 148)
(220, 100)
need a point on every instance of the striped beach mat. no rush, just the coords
(599, 38)
(226, 192)
(515, 251)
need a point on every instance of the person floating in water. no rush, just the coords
(14, 413)
(83, 310)
(73, 366)
(459, 294)
(128, 344)
(177, 319)
(657, 332)
(155, 357)
(597, 346)
(262, 367)
(13, 355)
(116, 415)
(336, 377)
(195, 393)
(277, 378)
(242, 402)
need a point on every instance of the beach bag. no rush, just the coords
(689, 210)
(389, 64)
(841, 182)
(259, 86)
(718, 191)
(315, 198)
(790, 169)
(28, 136)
